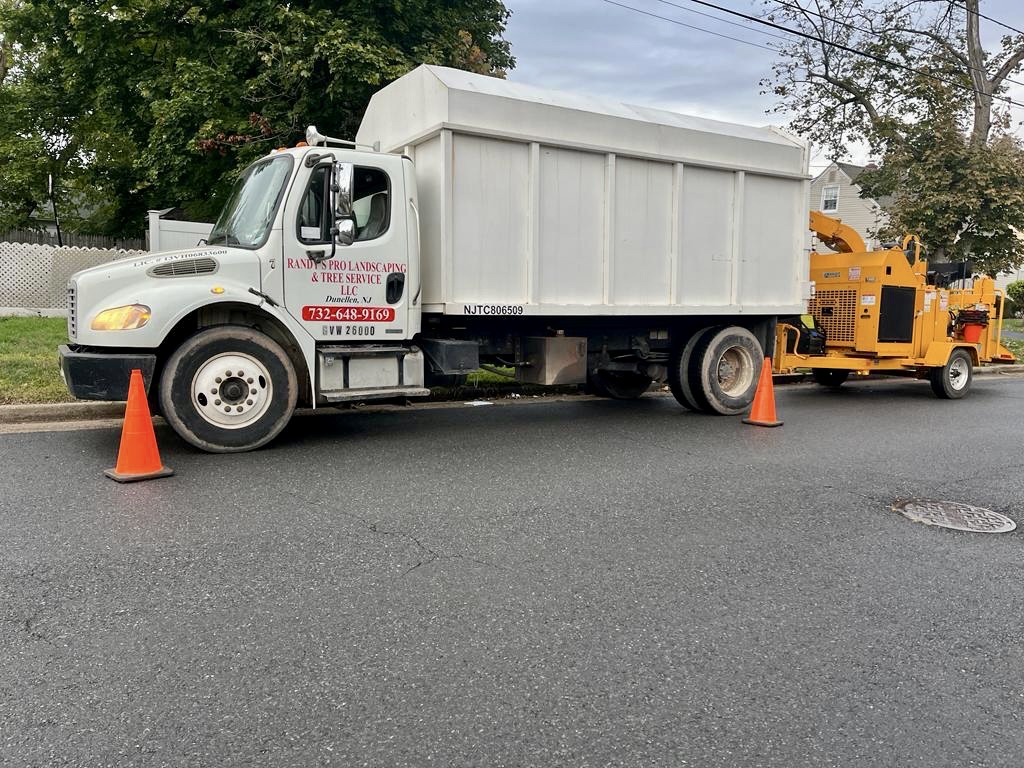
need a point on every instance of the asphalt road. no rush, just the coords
(546, 583)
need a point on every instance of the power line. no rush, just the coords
(726, 21)
(879, 59)
(981, 15)
(691, 26)
(800, 8)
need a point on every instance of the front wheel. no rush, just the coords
(228, 389)
(953, 380)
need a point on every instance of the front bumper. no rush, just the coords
(92, 375)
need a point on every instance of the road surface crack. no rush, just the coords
(428, 554)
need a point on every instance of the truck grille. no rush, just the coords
(72, 310)
(184, 268)
(835, 312)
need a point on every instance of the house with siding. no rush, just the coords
(835, 192)
(1003, 279)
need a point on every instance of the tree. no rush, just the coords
(149, 104)
(1015, 291)
(912, 80)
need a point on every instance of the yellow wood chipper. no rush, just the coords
(886, 312)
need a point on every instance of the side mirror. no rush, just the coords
(345, 232)
(341, 189)
(344, 229)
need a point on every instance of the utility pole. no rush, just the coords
(53, 204)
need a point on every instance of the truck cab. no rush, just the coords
(306, 292)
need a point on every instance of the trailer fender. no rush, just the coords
(939, 352)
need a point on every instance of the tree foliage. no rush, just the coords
(927, 97)
(152, 103)
(1015, 291)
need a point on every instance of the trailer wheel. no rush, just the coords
(832, 378)
(724, 370)
(228, 389)
(618, 385)
(953, 380)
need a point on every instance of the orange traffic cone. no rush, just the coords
(763, 412)
(138, 457)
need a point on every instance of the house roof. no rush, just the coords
(853, 172)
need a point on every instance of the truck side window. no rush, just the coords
(314, 224)
(371, 202)
(371, 205)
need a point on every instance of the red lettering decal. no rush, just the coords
(348, 314)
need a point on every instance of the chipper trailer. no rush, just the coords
(886, 312)
(473, 221)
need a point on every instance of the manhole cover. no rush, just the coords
(956, 515)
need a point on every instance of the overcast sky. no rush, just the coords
(594, 47)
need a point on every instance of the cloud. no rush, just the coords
(599, 49)
(596, 48)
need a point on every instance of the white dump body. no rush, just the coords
(535, 202)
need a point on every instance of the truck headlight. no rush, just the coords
(121, 318)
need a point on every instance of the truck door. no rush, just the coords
(360, 294)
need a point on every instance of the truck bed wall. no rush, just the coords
(564, 212)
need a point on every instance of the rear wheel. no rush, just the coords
(228, 389)
(680, 363)
(728, 365)
(619, 385)
(830, 377)
(953, 380)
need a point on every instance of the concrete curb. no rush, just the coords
(77, 411)
(998, 370)
(96, 411)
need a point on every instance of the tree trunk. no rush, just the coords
(6, 54)
(979, 78)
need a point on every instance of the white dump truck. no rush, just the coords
(473, 221)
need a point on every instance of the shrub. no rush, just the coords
(1015, 292)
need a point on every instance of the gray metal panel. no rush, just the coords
(553, 360)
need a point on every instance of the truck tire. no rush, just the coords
(680, 363)
(953, 380)
(832, 378)
(724, 370)
(228, 389)
(618, 385)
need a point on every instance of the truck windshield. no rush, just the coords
(249, 213)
